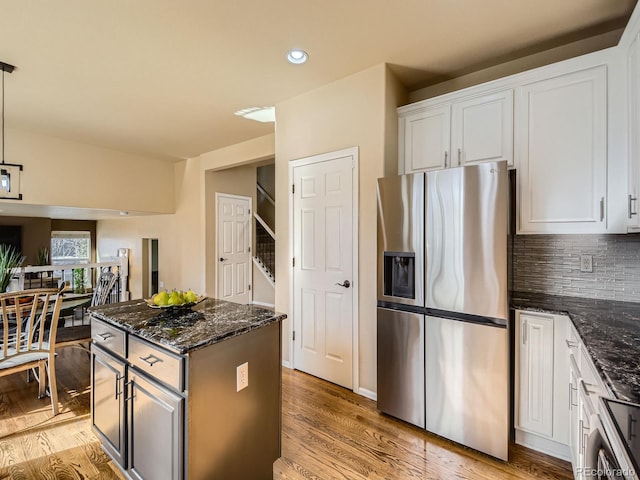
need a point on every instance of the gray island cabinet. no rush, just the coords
(188, 393)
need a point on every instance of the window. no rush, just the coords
(69, 248)
(72, 248)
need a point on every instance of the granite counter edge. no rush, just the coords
(191, 348)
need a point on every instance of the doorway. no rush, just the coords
(150, 278)
(324, 237)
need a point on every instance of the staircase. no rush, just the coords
(264, 260)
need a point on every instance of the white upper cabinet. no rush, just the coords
(561, 153)
(425, 143)
(482, 129)
(634, 135)
(471, 129)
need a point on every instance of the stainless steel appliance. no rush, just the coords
(461, 238)
(613, 448)
(401, 297)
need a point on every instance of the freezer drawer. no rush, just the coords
(401, 365)
(467, 384)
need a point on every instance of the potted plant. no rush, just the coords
(43, 257)
(10, 258)
(78, 280)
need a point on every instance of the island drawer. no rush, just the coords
(108, 336)
(157, 362)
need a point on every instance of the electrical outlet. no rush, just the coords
(242, 376)
(160, 284)
(586, 263)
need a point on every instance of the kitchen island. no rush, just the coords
(187, 393)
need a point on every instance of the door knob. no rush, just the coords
(346, 284)
(222, 259)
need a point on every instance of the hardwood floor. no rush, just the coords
(35, 445)
(327, 433)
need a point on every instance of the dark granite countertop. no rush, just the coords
(610, 330)
(185, 330)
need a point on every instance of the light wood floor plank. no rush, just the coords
(331, 433)
(328, 433)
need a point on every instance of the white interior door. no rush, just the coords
(234, 247)
(324, 283)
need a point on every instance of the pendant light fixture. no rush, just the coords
(7, 169)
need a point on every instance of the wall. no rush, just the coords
(353, 111)
(235, 181)
(251, 151)
(551, 264)
(70, 174)
(180, 236)
(510, 67)
(36, 233)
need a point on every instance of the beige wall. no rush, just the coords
(251, 151)
(234, 181)
(70, 174)
(180, 236)
(350, 112)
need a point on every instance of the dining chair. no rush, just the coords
(28, 337)
(79, 335)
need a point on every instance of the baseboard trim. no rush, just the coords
(287, 364)
(365, 392)
(543, 445)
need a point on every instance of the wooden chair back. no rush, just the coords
(25, 329)
(105, 284)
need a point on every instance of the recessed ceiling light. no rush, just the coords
(124, 214)
(297, 57)
(259, 114)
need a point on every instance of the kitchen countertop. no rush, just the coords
(609, 329)
(185, 330)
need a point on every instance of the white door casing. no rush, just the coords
(324, 241)
(233, 248)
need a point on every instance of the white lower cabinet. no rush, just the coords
(556, 388)
(541, 393)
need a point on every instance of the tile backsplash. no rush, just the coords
(551, 264)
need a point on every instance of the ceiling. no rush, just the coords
(163, 77)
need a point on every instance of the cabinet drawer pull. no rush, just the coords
(129, 383)
(631, 200)
(602, 209)
(104, 336)
(118, 392)
(445, 158)
(459, 157)
(571, 344)
(150, 359)
(571, 390)
(580, 441)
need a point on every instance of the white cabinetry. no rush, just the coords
(634, 135)
(425, 142)
(541, 372)
(561, 153)
(462, 130)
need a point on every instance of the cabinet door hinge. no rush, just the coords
(293, 188)
(294, 335)
(249, 287)
(293, 262)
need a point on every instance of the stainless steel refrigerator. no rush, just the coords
(443, 356)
